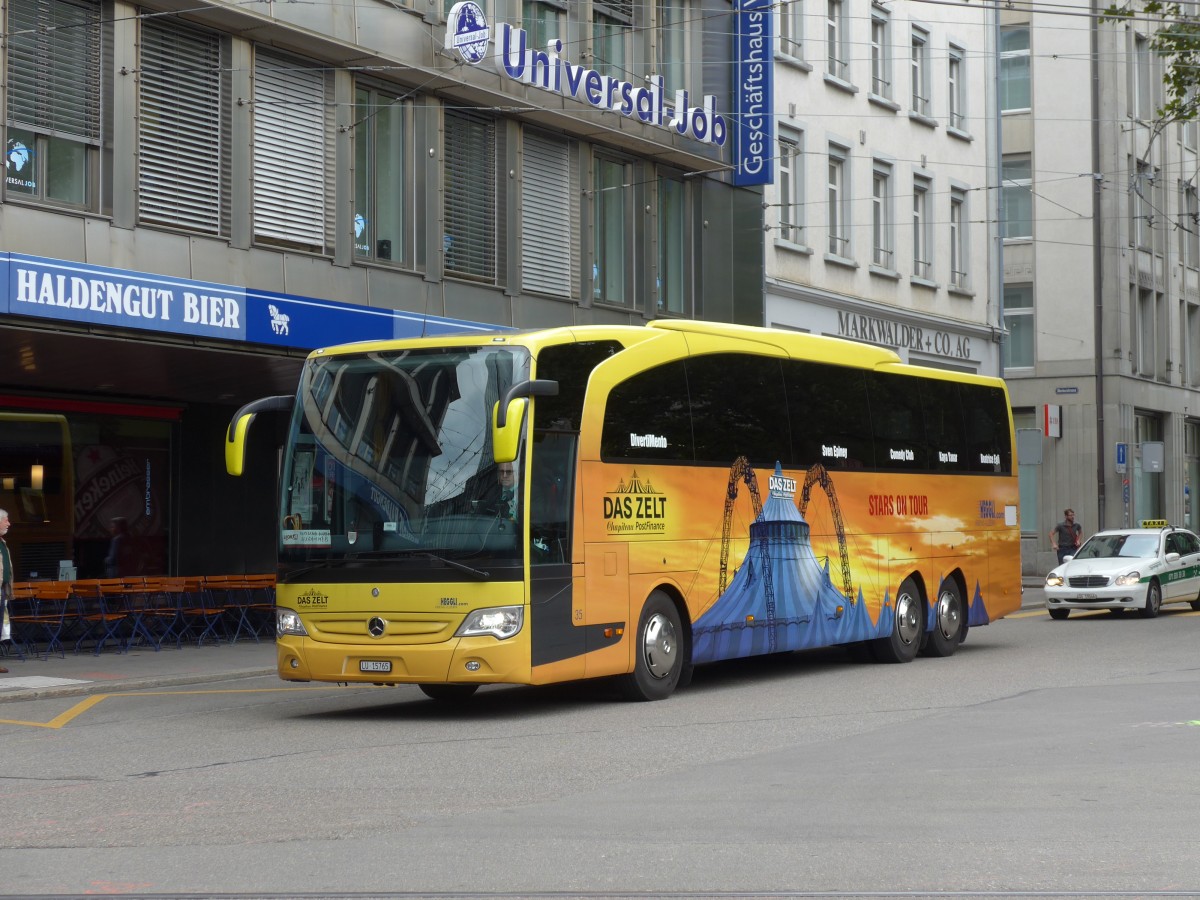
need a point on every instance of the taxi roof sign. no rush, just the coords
(1155, 523)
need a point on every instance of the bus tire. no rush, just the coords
(908, 626)
(449, 693)
(947, 622)
(658, 652)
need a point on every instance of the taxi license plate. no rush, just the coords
(1087, 597)
(374, 665)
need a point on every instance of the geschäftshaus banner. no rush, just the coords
(753, 89)
(81, 294)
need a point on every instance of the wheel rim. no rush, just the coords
(659, 646)
(949, 614)
(1155, 600)
(908, 622)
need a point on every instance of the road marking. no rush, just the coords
(1082, 613)
(84, 705)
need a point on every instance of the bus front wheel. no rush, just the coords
(658, 651)
(908, 624)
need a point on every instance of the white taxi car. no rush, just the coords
(1131, 568)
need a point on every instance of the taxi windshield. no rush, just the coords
(1112, 546)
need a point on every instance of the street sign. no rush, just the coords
(1122, 457)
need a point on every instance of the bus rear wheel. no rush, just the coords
(658, 651)
(449, 693)
(908, 624)
(947, 622)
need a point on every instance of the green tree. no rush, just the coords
(1177, 43)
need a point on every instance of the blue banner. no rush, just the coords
(753, 89)
(95, 295)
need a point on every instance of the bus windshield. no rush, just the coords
(390, 461)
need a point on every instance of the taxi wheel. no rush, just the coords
(449, 693)
(1196, 604)
(947, 622)
(658, 652)
(1059, 613)
(1153, 601)
(908, 626)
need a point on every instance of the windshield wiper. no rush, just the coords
(455, 564)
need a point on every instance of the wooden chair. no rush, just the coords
(103, 614)
(202, 616)
(50, 615)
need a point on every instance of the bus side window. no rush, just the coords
(738, 409)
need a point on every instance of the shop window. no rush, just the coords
(381, 175)
(54, 101)
(183, 128)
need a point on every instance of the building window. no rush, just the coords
(920, 72)
(1189, 353)
(1016, 197)
(672, 246)
(882, 230)
(1014, 67)
(612, 25)
(1018, 322)
(921, 234)
(836, 54)
(610, 229)
(183, 134)
(1189, 132)
(381, 157)
(881, 54)
(675, 20)
(543, 22)
(549, 216)
(791, 28)
(54, 105)
(1142, 94)
(791, 188)
(1189, 225)
(293, 153)
(838, 202)
(957, 89)
(960, 242)
(1149, 333)
(470, 196)
(1142, 206)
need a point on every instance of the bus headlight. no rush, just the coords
(500, 621)
(287, 621)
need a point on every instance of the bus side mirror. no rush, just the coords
(506, 430)
(509, 415)
(235, 437)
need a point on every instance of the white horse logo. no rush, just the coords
(279, 321)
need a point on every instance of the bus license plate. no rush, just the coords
(374, 665)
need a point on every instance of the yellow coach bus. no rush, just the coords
(528, 508)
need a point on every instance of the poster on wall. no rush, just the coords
(121, 491)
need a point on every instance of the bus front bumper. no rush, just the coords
(472, 660)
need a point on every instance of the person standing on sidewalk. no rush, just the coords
(1066, 536)
(6, 579)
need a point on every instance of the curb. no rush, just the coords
(127, 685)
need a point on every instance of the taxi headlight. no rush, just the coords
(287, 621)
(499, 621)
(1127, 579)
(1054, 580)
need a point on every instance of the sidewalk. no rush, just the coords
(139, 669)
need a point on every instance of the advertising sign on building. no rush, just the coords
(754, 134)
(1053, 420)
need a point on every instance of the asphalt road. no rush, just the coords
(1045, 757)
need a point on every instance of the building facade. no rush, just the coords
(1101, 277)
(196, 196)
(880, 223)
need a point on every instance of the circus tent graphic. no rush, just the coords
(782, 597)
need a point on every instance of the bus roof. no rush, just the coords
(794, 344)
